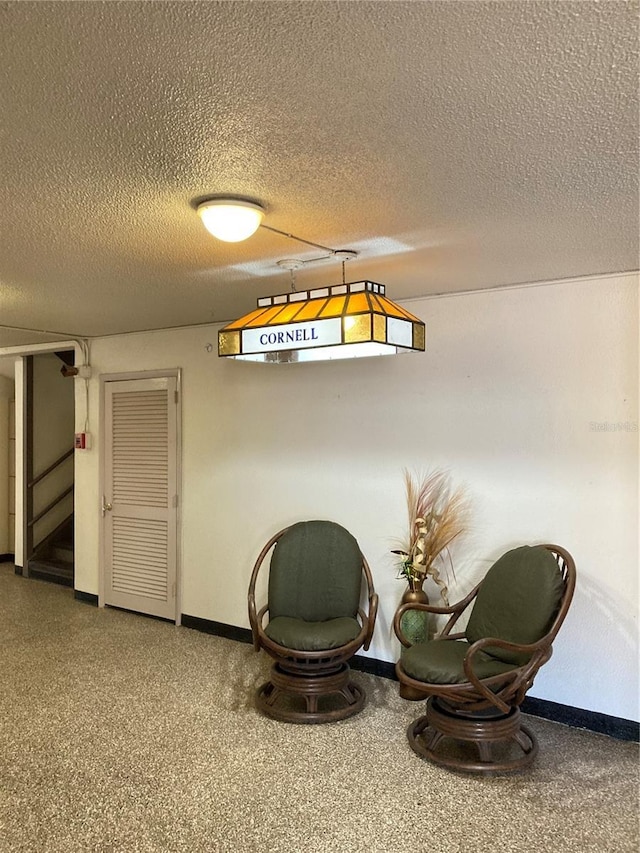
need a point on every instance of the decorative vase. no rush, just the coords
(414, 625)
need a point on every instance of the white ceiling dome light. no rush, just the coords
(230, 219)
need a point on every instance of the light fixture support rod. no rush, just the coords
(299, 239)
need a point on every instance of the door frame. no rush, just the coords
(125, 377)
(19, 354)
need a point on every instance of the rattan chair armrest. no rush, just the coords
(256, 620)
(473, 679)
(257, 630)
(414, 605)
(253, 619)
(479, 645)
(455, 611)
(508, 645)
(371, 619)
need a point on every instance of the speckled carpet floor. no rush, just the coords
(121, 733)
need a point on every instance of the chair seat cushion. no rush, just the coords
(440, 662)
(312, 636)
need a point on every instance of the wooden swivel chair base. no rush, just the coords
(476, 680)
(489, 736)
(287, 688)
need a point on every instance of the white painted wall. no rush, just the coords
(506, 397)
(7, 367)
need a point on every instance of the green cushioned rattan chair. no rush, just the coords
(476, 680)
(315, 623)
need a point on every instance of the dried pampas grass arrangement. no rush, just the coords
(438, 514)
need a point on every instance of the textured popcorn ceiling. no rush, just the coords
(455, 145)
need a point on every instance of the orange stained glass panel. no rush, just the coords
(311, 310)
(388, 308)
(240, 324)
(265, 319)
(334, 307)
(358, 303)
(396, 310)
(287, 313)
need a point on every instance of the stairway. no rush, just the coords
(52, 559)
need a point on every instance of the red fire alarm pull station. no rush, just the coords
(82, 441)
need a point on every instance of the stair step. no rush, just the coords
(62, 553)
(57, 571)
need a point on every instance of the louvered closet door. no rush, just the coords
(139, 512)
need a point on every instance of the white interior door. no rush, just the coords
(139, 505)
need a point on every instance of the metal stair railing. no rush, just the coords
(30, 486)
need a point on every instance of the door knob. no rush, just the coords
(106, 507)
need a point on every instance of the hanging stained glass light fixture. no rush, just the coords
(348, 320)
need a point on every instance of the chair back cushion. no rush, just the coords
(517, 601)
(316, 572)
